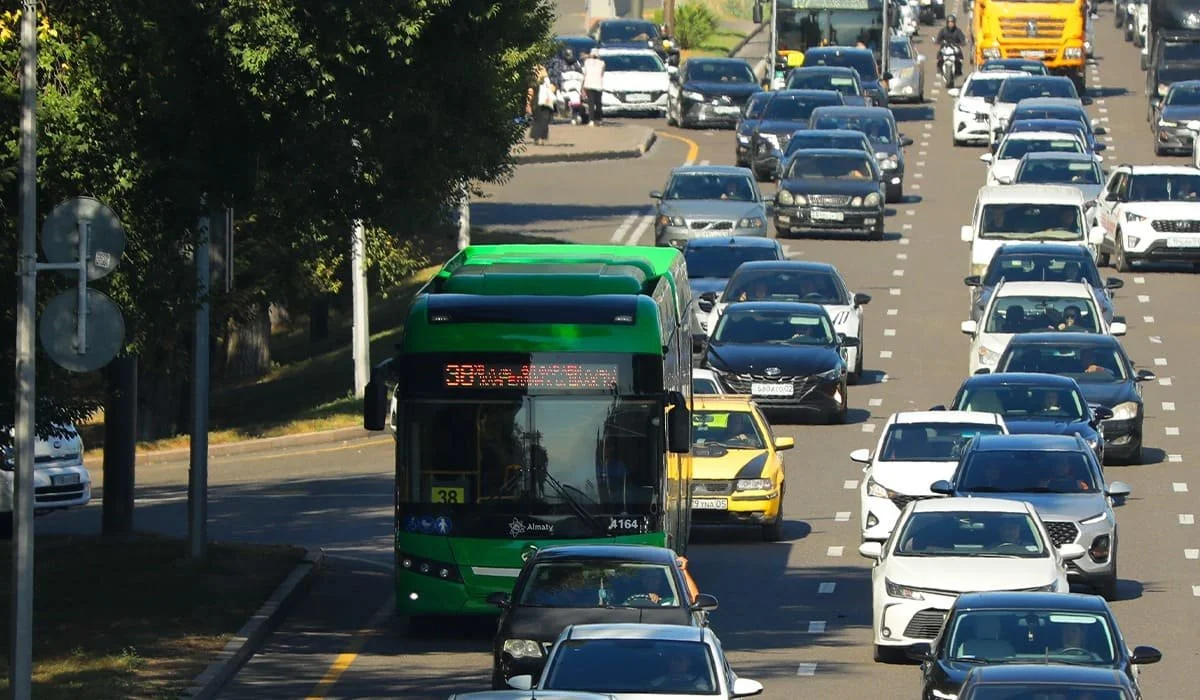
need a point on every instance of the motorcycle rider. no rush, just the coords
(953, 36)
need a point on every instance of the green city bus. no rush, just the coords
(545, 406)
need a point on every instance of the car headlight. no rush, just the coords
(988, 356)
(1130, 216)
(1092, 520)
(895, 590)
(991, 52)
(522, 648)
(7, 460)
(856, 202)
(1073, 52)
(664, 220)
(943, 695)
(1092, 442)
(1162, 89)
(1164, 122)
(829, 374)
(1191, 20)
(750, 222)
(743, 139)
(692, 95)
(892, 163)
(872, 200)
(1125, 411)
(771, 139)
(754, 485)
(875, 489)
(785, 198)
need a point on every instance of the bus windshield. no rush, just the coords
(800, 30)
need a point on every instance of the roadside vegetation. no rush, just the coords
(698, 25)
(147, 621)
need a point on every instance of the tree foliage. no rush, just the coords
(301, 115)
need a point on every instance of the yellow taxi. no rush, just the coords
(737, 471)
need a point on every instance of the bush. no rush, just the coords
(694, 25)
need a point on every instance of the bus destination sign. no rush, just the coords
(526, 375)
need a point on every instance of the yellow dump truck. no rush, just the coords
(1050, 31)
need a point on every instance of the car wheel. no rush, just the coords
(1128, 33)
(498, 681)
(1101, 258)
(782, 231)
(774, 531)
(1158, 149)
(1120, 261)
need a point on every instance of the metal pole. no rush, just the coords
(464, 219)
(774, 42)
(198, 471)
(84, 228)
(361, 348)
(21, 639)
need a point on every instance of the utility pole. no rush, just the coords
(21, 616)
(669, 17)
(198, 468)
(774, 55)
(637, 9)
(360, 330)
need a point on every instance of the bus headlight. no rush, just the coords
(522, 648)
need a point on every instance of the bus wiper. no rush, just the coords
(575, 505)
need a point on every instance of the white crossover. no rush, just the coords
(916, 449)
(972, 111)
(1003, 164)
(1030, 307)
(60, 480)
(945, 547)
(1150, 213)
(635, 81)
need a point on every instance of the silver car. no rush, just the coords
(707, 201)
(1078, 170)
(905, 65)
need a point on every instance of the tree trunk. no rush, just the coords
(248, 350)
(161, 401)
(318, 319)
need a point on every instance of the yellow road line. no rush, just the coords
(693, 147)
(345, 660)
(251, 457)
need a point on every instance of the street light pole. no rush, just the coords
(21, 641)
(360, 332)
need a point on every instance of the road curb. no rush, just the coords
(249, 639)
(642, 146)
(737, 48)
(227, 449)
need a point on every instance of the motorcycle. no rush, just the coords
(570, 98)
(950, 56)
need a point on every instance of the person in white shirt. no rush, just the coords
(593, 85)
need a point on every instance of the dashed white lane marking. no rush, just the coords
(903, 241)
(894, 291)
(902, 256)
(849, 484)
(928, 126)
(1171, 430)
(915, 185)
(1187, 554)
(1174, 458)
(906, 227)
(920, 163)
(640, 230)
(826, 587)
(806, 669)
(1196, 591)
(885, 354)
(884, 379)
(834, 551)
(1144, 298)
(897, 273)
(1168, 405)
(703, 162)
(921, 153)
(875, 402)
(816, 627)
(1148, 319)
(868, 427)
(842, 516)
(1179, 487)
(1160, 362)
(1139, 280)
(1112, 158)
(918, 175)
(893, 312)
(1156, 339)
(1102, 110)
(909, 212)
(619, 234)
(889, 331)
(1187, 519)
(1165, 381)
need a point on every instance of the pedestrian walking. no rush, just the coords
(593, 85)
(540, 106)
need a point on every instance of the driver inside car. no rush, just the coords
(645, 585)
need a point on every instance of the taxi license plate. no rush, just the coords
(818, 215)
(710, 504)
(1183, 242)
(768, 389)
(64, 479)
(1032, 54)
(727, 110)
(637, 97)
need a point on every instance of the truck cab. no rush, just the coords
(1051, 31)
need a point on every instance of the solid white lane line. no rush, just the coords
(619, 234)
(885, 354)
(826, 587)
(1160, 362)
(868, 427)
(1171, 430)
(1144, 298)
(1168, 405)
(875, 402)
(849, 485)
(841, 516)
(834, 551)
(1179, 487)
(889, 331)
(1187, 519)
(893, 312)
(816, 627)
(1174, 458)
(1165, 381)
(806, 669)
(640, 230)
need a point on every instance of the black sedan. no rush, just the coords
(1014, 628)
(786, 112)
(879, 125)
(746, 125)
(710, 92)
(1104, 373)
(784, 354)
(1039, 680)
(830, 189)
(580, 584)
(1042, 262)
(861, 60)
(837, 78)
(1039, 404)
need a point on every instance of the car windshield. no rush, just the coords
(878, 129)
(738, 188)
(721, 262)
(704, 386)
(931, 442)
(1050, 171)
(735, 430)
(821, 139)
(1039, 267)
(754, 326)
(970, 534)
(1023, 113)
(1016, 89)
(1028, 67)
(982, 87)
(900, 49)
(1025, 402)
(820, 80)
(1031, 636)
(1073, 128)
(1184, 95)
(636, 666)
(636, 63)
(1027, 314)
(1025, 471)
(754, 108)
(1045, 691)
(1176, 74)
(1088, 364)
(813, 286)
(1018, 221)
(720, 72)
(1180, 51)
(830, 167)
(1171, 187)
(628, 31)
(597, 584)
(1014, 148)
(861, 61)
(796, 108)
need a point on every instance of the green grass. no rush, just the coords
(146, 622)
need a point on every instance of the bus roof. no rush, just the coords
(654, 261)
(564, 279)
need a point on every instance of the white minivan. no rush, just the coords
(1027, 214)
(59, 478)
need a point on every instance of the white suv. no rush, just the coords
(1150, 212)
(972, 111)
(59, 478)
(1029, 307)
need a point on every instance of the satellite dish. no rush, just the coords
(104, 325)
(106, 236)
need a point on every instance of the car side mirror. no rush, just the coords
(987, 158)
(990, 100)
(953, 92)
(849, 342)
(1117, 329)
(973, 281)
(1071, 551)
(521, 682)
(1096, 235)
(906, 141)
(942, 487)
(784, 443)
(871, 550)
(862, 456)
(861, 299)
(967, 233)
(1145, 375)
(757, 15)
(920, 652)
(1085, 100)
(968, 327)
(1100, 130)
(375, 404)
(672, 76)
(1145, 655)
(1114, 283)
(1102, 413)
(939, 407)
(655, 194)
(1004, 179)
(679, 425)
(1118, 489)
(499, 599)
(744, 688)
(705, 602)
(1099, 148)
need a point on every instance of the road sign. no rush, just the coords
(105, 236)
(104, 337)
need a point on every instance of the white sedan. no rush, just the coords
(916, 448)
(633, 660)
(635, 81)
(1003, 165)
(949, 546)
(972, 111)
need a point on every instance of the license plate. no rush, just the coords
(818, 215)
(710, 504)
(64, 479)
(981, 117)
(1032, 54)
(1183, 242)
(637, 98)
(769, 389)
(727, 110)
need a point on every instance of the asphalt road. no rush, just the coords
(780, 619)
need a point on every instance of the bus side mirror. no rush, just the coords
(758, 13)
(375, 404)
(679, 425)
